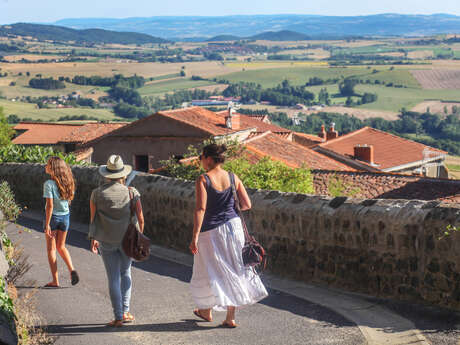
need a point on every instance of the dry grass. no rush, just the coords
(436, 107)
(31, 57)
(420, 54)
(68, 69)
(29, 324)
(360, 113)
(438, 78)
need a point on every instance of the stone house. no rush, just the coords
(369, 149)
(146, 142)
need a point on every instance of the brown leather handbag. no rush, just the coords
(253, 254)
(135, 244)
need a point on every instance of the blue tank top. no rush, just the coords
(220, 205)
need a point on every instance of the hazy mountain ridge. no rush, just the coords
(60, 33)
(250, 25)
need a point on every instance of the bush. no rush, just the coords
(8, 205)
(33, 154)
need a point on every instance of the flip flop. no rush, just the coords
(74, 277)
(115, 323)
(225, 324)
(197, 313)
(51, 286)
(128, 317)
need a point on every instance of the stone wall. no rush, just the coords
(387, 248)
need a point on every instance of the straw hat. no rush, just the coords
(115, 168)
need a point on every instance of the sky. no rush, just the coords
(12, 11)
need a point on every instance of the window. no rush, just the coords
(141, 163)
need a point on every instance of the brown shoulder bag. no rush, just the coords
(135, 244)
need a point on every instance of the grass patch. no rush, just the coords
(30, 110)
(296, 75)
(157, 89)
(394, 99)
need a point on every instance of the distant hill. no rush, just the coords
(63, 34)
(250, 25)
(284, 35)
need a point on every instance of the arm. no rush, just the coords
(140, 215)
(200, 208)
(94, 243)
(48, 214)
(245, 201)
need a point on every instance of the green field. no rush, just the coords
(22, 88)
(160, 88)
(394, 99)
(30, 110)
(296, 75)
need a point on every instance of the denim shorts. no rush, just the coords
(60, 222)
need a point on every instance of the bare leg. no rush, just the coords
(52, 260)
(230, 319)
(62, 250)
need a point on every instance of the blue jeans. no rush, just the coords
(118, 268)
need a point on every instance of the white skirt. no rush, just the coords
(219, 277)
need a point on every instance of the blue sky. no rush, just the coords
(12, 11)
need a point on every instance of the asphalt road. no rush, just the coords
(162, 305)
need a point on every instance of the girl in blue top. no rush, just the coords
(58, 192)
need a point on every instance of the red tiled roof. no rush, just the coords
(291, 153)
(54, 133)
(256, 122)
(43, 133)
(389, 150)
(311, 137)
(91, 131)
(201, 118)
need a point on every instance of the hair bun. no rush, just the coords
(222, 148)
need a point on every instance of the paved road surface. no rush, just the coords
(162, 305)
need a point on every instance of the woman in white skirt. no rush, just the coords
(220, 281)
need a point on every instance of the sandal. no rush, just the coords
(51, 285)
(225, 324)
(115, 323)
(74, 277)
(197, 313)
(128, 317)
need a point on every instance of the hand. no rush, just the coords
(48, 232)
(94, 246)
(194, 246)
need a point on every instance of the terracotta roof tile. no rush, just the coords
(292, 154)
(91, 131)
(200, 118)
(54, 133)
(389, 150)
(42, 133)
(247, 121)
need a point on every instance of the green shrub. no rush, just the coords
(265, 174)
(33, 154)
(8, 205)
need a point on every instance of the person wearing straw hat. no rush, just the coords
(110, 217)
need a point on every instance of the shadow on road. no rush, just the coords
(79, 329)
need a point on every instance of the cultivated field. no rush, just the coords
(68, 69)
(31, 110)
(360, 113)
(438, 78)
(435, 107)
(453, 164)
(171, 85)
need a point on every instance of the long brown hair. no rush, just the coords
(61, 174)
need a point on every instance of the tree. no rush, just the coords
(6, 132)
(323, 96)
(347, 87)
(182, 73)
(13, 118)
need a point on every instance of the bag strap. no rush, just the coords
(132, 206)
(238, 208)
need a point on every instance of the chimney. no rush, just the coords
(322, 134)
(364, 153)
(332, 133)
(232, 120)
